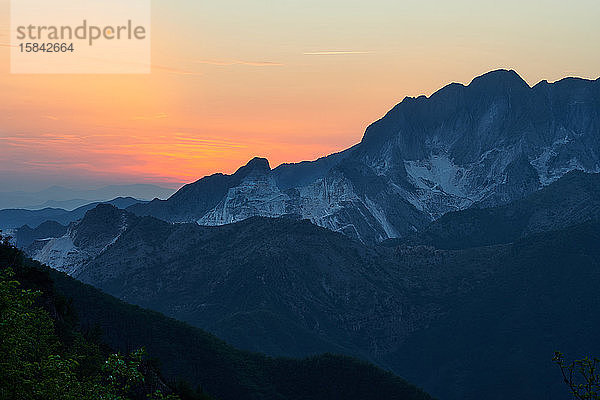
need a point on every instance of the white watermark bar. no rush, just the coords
(80, 36)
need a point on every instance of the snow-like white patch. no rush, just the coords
(541, 164)
(438, 173)
(438, 184)
(60, 253)
(441, 186)
(320, 202)
(255, 196)
(325, 197)
(380, 216)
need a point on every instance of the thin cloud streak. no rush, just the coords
(336, 53)
(151, 117)
(175, 71)
(224, 63)
(134, 143)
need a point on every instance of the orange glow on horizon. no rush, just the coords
(289, 82)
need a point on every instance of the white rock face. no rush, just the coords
(491, 142)
(547, 167)
(440, 185)
(323, 201)
(257, 195)
(84, 240)
(61, 254)
(434, 186)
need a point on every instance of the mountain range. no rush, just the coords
(287, 287)
(455, 245)
(69, 199)
(491, 142)
(16, 218)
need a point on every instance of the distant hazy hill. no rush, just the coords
(25, 235)
(69, 199)
(16, 218)
(491, 142)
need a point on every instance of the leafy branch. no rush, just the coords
(581, 376)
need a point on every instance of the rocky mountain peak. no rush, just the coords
(498, 80)
(100, 226)
(256, 165)
(487, 143)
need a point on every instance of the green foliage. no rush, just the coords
(36, 365)
(582, 376)
(27, 339)
(123, 373)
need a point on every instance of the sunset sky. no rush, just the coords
(287, 80)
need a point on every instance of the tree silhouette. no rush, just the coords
(581, 376)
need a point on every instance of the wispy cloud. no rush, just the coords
(42, 139)
(177, 145)
(51, 117)
(176, 71)
(208, 142)
(61, 163)
(227, 63)
(151, 117)
(336, 53)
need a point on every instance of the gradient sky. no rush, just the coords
(287, 80)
